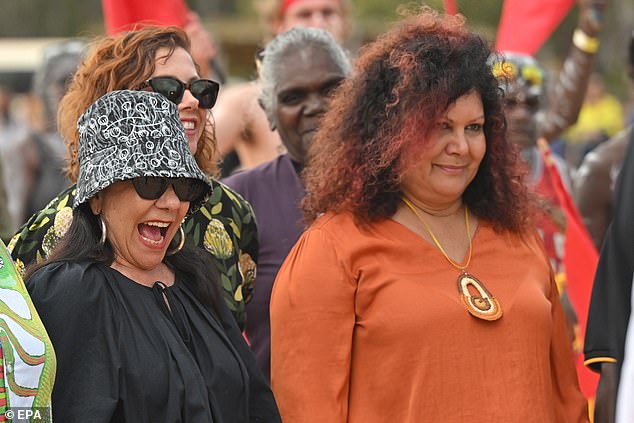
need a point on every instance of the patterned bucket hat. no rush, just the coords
(126, 134)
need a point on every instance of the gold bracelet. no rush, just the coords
(584, 42)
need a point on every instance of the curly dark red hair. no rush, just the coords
(402, 85)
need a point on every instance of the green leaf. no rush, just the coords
(236, 219)
(205, 212)
(216, 209)
(39, 225)
(216, 196)
(187, 226)
(197, 235)
(235, 228)
(226, 283)
(232, 271)
(63, 203)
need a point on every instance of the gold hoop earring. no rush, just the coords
(181, 243)
(104, 231)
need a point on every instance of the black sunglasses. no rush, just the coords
(204, 90)
(153, 187)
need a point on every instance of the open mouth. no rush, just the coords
(153, 232)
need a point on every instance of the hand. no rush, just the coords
(591, 15)
(605, 405)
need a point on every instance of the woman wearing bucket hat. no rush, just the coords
(157, 59)
(140, 331)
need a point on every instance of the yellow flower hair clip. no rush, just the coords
(506, 70)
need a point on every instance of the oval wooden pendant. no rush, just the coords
(483, 306)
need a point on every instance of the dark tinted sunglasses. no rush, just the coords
(204, 90)
(153, 187)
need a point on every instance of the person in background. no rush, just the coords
(299, 71)
(624, 410)
(156, 59)
(595, 180)
(136, 318)
(14, 139)
(532, 113)
(204, 48)
(6, 223)
(7, 227)
(600, 118)
(421, 282)
(610, 307)
(240, 122)
(46, 150)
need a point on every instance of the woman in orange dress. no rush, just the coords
(421, 291)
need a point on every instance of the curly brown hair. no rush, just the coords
(119, 62)
(403, 83)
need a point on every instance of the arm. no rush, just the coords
(592, 195)
(312, 324)
(569, 90)
(81, 326)
(605, 405)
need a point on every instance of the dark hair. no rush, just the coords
(402, 85)
(81, 242)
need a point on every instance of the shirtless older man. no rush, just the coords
(241, 125)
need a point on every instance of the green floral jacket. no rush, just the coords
(225, 226)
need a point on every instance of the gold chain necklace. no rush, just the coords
(483, 306)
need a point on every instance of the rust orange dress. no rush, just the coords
(367, 326)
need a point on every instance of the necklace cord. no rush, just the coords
(433, 237)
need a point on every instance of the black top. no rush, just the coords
(610, 305)
(124, 355)
(224, 227)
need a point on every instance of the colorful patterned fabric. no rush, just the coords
(28, 360)
(225, 227)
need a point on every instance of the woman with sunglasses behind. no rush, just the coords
(156, 59)
(136, 318)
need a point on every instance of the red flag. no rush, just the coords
(580, 262)
(451, 8)
(122, 15)
(526, 24)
